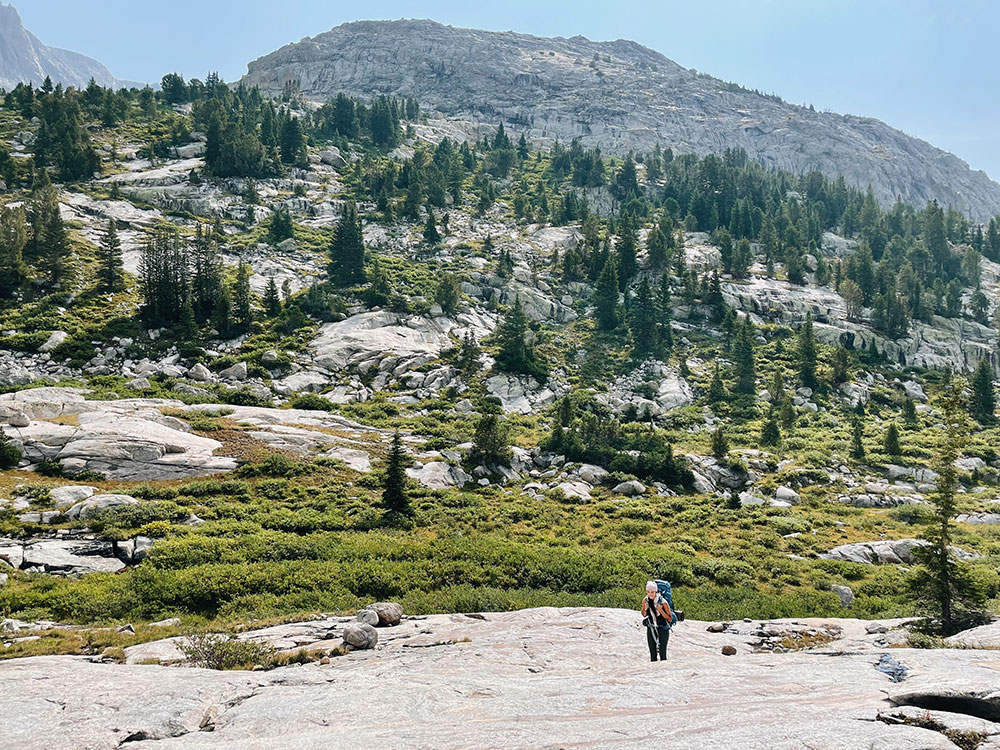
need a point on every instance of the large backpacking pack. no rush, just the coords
(666, 591)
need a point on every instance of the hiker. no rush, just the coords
(657, 617)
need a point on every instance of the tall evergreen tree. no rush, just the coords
(982, 403)
(272, 302)
(943, 581)
(806, 353)
(606, 297)
(395, 498)
(891, 441)
(110, 268)
(625, 250)
(347, 250)
(13, 240)
(242, 299)
(643, 322)
(515, 356)
(743, 355)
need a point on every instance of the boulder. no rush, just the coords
(575, 490)
(845, 594)
(71, 557)
(367, 616)
(54, 340)
(438, 475)
(729, 650)
(360, 636)
(18, 419)
(389, 613)
(331, 157)
(163, 651)
(985, 636)
(139, 384)
(886, 552)
(200, 373)
(66, 496)
(591, 474)
(787, 494)
(92, 506)
(236, 372)
(630, 488)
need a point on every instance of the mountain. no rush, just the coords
(618, 95)
(24, 58)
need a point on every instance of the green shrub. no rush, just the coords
(312, 402)
(225, 652)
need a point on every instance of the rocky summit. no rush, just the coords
(536, 678)
(618, 95)
(25, 59)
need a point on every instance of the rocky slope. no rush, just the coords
(538, 678)
(25, 59)
(618, 95)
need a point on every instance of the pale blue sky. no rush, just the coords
(925, 67)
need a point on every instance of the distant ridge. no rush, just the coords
(618, 95)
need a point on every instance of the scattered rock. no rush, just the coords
(389, 613)
(729, 650)
(360, 636)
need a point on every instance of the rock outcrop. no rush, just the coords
(508, 671)
(619, 96)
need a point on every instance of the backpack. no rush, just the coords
(667, 593)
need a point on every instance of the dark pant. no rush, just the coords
(664, 635)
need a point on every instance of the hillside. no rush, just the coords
(619, 96)
(25, 59)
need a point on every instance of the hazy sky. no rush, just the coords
(920, 65)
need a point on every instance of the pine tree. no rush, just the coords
(891, 442)
(625, 249)
(293, 145)
(431, 234)
(857, 440)
(242, 302)
(606, 297)
(13, 241)
(347, 249)
(720, 444)
(272, 302)
(643, 322)
(664, 311)
(982, 403)
(806, 353)
(656, 246)
(840, 366)
(716, 388)
(110, 269)
(943, 580)
(395, 499)
(770, 433)
(743, 354)
(469, 355)
(515, 356)
(491, 444)
(909, 411)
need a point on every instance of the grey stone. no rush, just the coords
(389, 613)
(360, 635)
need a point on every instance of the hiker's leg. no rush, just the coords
(651, 641)
(664, 637)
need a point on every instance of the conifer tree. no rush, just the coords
(982, 403)
(242, 302)
(469, 355)
(625, 249)
(395, 499)
(13, 240)
(944, 581)
(272, 302)
(431, 234)
(770, 433)
(909, 411)
(840, 366)
(806, 353)
(643, 322)
(891, 441)
(347, 249)
(857, 440)
(491, 444)
(656, 246)
(110, 269)
(515, 356)
(606, 297)
(743, 354)
(720, 444)
(664, 310)
(716, 388)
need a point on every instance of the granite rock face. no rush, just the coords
(24, 58)
(537, 678)
(617, 95)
